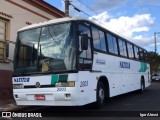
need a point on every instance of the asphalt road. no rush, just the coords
(126, 105)
(149, 100)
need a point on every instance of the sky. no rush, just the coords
(136, 20)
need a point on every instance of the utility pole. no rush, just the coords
(67, 8)
(155, 40)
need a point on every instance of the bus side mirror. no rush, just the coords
(84, 41)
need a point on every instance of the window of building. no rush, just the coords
(122, 47)
(130, 50)
(3, 38)
(112, 44)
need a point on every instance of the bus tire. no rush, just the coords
(100, 95)
(142, 87)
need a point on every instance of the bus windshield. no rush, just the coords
(45, 49)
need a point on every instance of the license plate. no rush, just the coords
(39, 97)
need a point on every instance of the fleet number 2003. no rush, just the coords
(83, 83)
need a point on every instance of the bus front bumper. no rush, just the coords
(50, 97)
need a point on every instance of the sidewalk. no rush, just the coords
(8, 105)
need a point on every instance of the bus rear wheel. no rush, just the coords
(100, 95)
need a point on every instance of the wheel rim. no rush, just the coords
(101, 95)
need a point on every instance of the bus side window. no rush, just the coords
(141, 54)
(112, 44)
(85, 56)
(136, 51)
(130, 50)
(122, 47)
(102, 40)
(98, 39)
(85, 53)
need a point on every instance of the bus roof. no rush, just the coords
(59, 20)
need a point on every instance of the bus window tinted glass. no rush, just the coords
(27, 48)
(102, 41)
(85, 62)
(96, 40)
(85, 53)
(141, 54)
(112, 44)
(136, 50)
(130, 50)
(122, 47)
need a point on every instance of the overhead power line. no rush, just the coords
(79, 10)
(76, 8)
(88, 7)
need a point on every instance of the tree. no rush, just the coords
(154, 60)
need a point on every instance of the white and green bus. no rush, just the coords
(74, 62)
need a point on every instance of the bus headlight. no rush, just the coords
(65, 84)
(18, 86)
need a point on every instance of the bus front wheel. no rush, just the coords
(100, 95)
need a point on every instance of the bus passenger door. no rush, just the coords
(85, 56)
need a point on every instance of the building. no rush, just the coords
(15, 14)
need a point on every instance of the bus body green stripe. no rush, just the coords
(143, 67)
(54, 79)
(63, 78)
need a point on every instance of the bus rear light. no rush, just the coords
(65, 84)
(18, 86)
